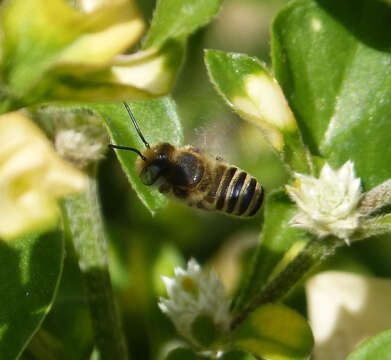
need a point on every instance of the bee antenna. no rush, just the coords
(112, 146)
(136, 125)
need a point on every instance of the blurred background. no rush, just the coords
(143, 247)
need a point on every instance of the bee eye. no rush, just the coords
(150, 174)
(162, 157)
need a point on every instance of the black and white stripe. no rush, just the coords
(237, 193)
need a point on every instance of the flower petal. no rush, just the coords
(328, 205)
(49, 39)
(32, 177)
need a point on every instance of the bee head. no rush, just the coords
(156, 163)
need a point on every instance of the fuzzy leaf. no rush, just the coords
(249, 89)
(375, 348)
(274, 332)
(276, 239)
(159, 122)
(177, 19)
(30, 272)
(332, 59)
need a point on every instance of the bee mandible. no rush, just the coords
(196, 178)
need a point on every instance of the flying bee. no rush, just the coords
(195, 178)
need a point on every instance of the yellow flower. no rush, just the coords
(32, 178)
(51, 50)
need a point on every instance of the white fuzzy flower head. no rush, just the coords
(79, 136)
(192, 293)
(79, 146)
(328, 205)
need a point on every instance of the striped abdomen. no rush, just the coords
(234, 192)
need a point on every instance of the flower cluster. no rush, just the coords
(191, 294)
(328, 205)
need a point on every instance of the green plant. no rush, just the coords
(322, 108)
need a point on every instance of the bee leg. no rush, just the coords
(200, 205)
(180, 193)
(164, 188)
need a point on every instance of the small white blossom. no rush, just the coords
(76, 146)
(328, 205)
(193, 293)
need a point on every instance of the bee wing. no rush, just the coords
(215, 140)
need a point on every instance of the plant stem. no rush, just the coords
(82, 215)
(313, 254)
(296, 155)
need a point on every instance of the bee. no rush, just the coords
(195, 178)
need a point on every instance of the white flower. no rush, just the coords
(328, 205)
(79, 136)
(193, 293)
(77, 147)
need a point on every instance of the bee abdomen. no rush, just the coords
(238, 193)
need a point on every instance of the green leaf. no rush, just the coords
(177, 19)
(183, 354)
(203, 329)
(332, 59)
(274, 332)
(276, 239)
(67, 331)
(375, 348)
(30, 273)
(248, 87)
(158, 121)
(237, 355)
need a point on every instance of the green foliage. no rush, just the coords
(203, 330)
(274, 332)
(187, 354)
(229, 70)
(31, 271)
(177, 19)
(183, 354)
(83, 223)
(377, 347)
(46, 42)
(332, 59)
(332, 63)
(237, 355)
(67, 331)
(158, 121)
(250, 90)
(276, 239)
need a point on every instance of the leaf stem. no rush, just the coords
(313, 254)
(83, 217)
(295, 154)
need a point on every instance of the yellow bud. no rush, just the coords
(32, 178)
(266, 106)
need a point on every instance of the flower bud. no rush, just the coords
(32, 178)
